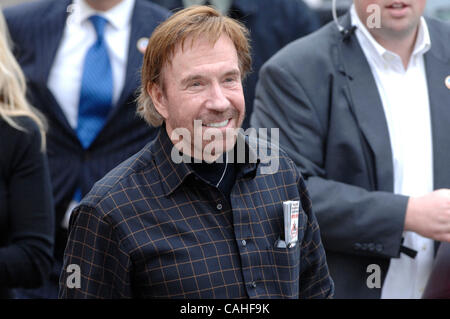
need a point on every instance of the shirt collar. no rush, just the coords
(173, 174)
(119, 16)
(423, 41)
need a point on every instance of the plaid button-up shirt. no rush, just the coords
(152, 228)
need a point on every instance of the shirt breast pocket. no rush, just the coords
(286, 269)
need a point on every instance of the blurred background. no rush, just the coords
(437, 8)
(6, 3)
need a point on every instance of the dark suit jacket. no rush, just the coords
(321, 93)
(439, 282)
(272, 25)
(36, 29)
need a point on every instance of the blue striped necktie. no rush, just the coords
(96, 87)
(96, 90)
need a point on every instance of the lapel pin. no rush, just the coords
(142, 45)
(447, 82)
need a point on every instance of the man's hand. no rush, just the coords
(429, 215)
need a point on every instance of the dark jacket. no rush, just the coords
(26, 208)
(438, 286)
(321, 93)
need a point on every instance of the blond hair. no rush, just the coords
(192, 22)
(13, 102)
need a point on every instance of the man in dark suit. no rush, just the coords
(272, 25)
(91, 111)
(364, 113)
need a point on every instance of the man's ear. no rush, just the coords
(158, 98)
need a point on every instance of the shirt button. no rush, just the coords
(219, 206)
(244, 243)
(424, 247)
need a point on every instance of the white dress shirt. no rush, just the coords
(79, 35)
(67, 70)
(404, 94)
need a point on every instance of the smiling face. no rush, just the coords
(399, 18)
(202, 83)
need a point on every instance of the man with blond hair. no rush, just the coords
(207, 226)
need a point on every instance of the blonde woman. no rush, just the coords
(26, 210)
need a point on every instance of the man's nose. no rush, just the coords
(217, 100)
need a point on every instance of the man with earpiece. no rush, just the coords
(363, 110)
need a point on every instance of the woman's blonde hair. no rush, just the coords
(13, 102)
